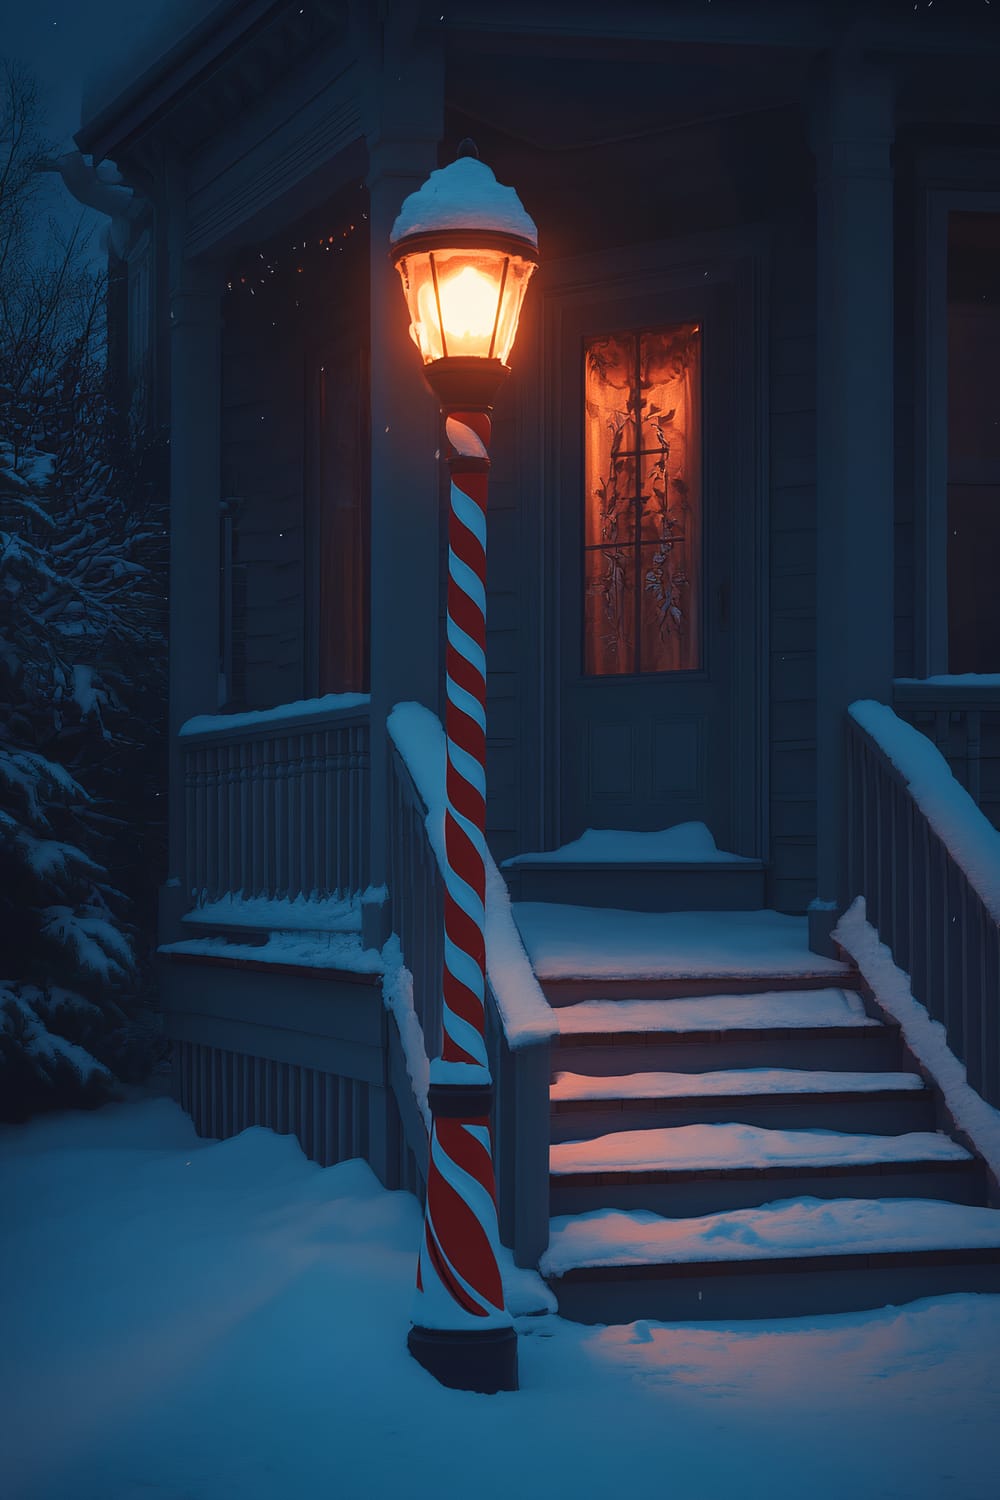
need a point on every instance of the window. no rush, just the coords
(973, 332)
(642, 502)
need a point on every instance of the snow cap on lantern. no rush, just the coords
(465, 249)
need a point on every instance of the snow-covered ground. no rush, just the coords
(195, 1321)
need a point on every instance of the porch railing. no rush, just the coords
(928, 865)
(962, 717)
(277, 803)
(519, 1023)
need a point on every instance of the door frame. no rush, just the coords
(739, 261)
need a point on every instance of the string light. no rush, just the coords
(269, 269)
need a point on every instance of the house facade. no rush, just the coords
(746, 473)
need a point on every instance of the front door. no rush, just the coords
(651, 731)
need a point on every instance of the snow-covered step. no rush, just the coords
(824, 1028)
(806, 1255)
(584, 952)
(767, 1011)
(693, 1169)
(738, 1082)
(879, 1103)
(253, 919)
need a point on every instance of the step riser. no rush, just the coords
(700, 887)
(865, 1051)
(569, 991)
(781, 1293)
(963, 1183)
(857, 1116)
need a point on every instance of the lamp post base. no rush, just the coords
(473, 1361)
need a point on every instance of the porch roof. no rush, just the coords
(134, 85)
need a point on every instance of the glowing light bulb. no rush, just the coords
(468, 310)
(468, 305)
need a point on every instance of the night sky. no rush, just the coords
(63, 42)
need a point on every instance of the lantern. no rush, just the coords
(465, 250)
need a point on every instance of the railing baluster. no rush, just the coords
(208, 820)
(292, 824)
(304, 830)
(990, 1087)
(954, 1014)
(973, 992)
(333, 815)
(973, 755)
(354, 835)
(936, 926)
(321, 815)
(190, 823)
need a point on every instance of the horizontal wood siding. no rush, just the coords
(793, 575)
(273, 344)
(262, 455)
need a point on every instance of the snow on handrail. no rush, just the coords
(965, 831)
(527, 1016)
(283, 717)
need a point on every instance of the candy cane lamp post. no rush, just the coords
(465, 250)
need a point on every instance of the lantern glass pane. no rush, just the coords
(464, 301)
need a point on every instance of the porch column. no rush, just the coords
(406, 619)
(853, 131)
(195, 372)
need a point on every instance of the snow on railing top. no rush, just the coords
(261, 718)
(967, 833)
(526, 1014)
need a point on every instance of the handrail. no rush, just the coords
(927, 862)
(277, 802)
(519, 1021)
(264, 723)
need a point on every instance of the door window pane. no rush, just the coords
(973, 442)
(642, 503)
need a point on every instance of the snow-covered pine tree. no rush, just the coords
(81, 669)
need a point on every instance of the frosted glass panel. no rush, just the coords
(642, 505)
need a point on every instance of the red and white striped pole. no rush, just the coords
(465, 250)
(462, 1332)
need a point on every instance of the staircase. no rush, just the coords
(733, 1134)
